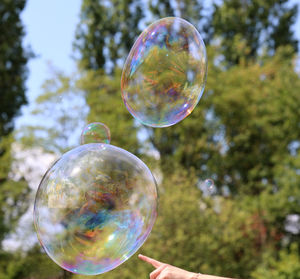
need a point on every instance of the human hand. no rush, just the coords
(166, 271)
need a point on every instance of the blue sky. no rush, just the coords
(50, 30)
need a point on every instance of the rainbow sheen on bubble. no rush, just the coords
(165, 73)
(94, 208)
(209, 183)
(95, 132)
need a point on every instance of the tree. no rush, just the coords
(191, 10)
(287, 266)
(34, 265)
(247, 28)
(161, 9)
(244, 135)
(98, 95)
(13, 59)
(60, 112)
(13, 73)
(107, 31)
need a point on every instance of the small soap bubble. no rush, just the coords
(95, 132)
(94, 208)
(165, 73)
(207, 187)
(209, 183)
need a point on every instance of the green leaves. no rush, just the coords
(104, 99)
(13, 59)
(13, 72)
(106, 32)
(285, 267)
(247, 28)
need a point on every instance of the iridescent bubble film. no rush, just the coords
(165, 73)
(207, 187)
(95, 132)
(209, 183)
(94, 208)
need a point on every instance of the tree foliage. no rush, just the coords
(60, 111)
(13, 73)
(191, 10)
(13, 59)
(108, 29)
(248, 28)
(241, 134)
(106, 32)
(121, 124)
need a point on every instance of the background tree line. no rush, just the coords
(244, 134)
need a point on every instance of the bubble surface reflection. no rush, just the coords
(165, 73)
(94, 208)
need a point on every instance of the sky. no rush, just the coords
(50, 31)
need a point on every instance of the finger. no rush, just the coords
(164, 274)
(154, 263)
(157, 271)
(151, 261)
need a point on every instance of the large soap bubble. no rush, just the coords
(94, 208)
(165, 73)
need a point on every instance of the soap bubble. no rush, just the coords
(165, 73)
(209, 184)
(94, 208)
(95, 132)
(207, 187)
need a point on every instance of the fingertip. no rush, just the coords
(145, 259)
